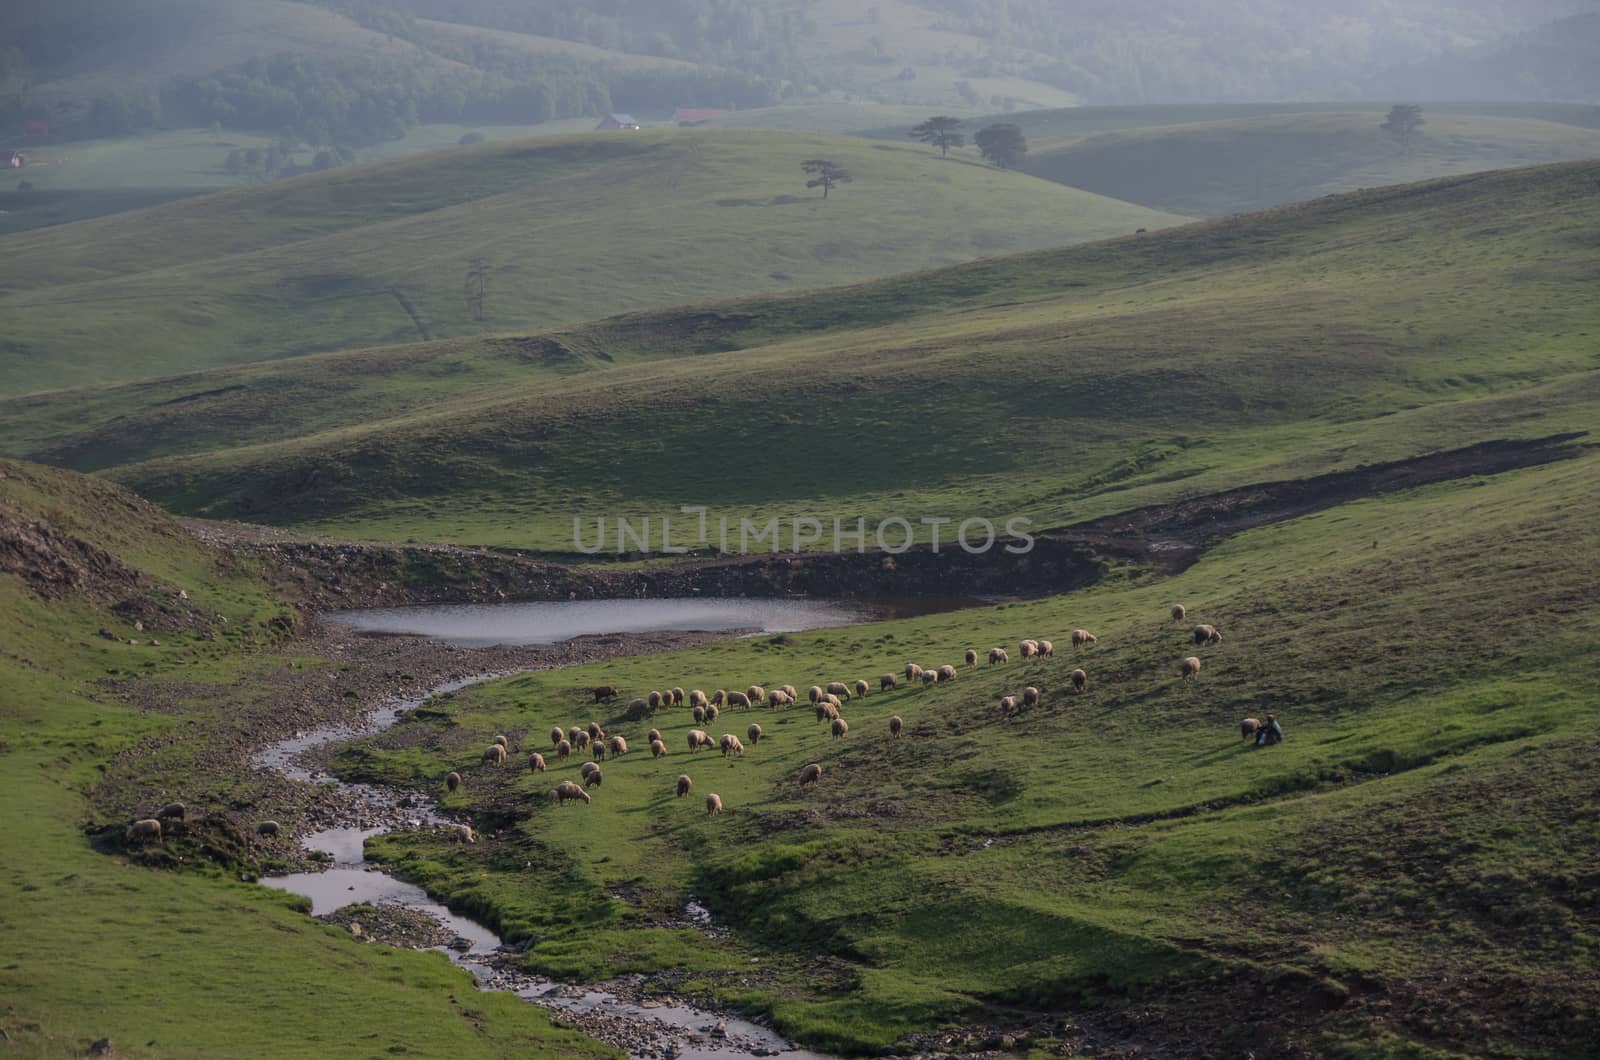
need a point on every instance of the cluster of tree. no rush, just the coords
(282, 159)
(1001, 143)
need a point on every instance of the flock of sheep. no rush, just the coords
(828, 701)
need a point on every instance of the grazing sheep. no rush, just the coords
(598, 749)
(698, 714)
(698, 739)
(684, 784)
(1179, 613)
(913, 672)
(929, 677)
(840, 726)
(697, 698)
(829, 697)
(1008, 703)
(1080, 681)
(501, 740)
(494, 754)
(536, 762)
(754, 694)
(452, 781)
(594, 778)
(657, 748)
(895, 725)
(1207, 635)
(947, 672)
(572, 735)
(1189, 668)
(839, 688)
(814, 692)
(730, 743)
(861, 689)
(582, 741)
(564, 750)
(619, 746)
(595, 731)
(712, 712)
(1249, 727)
(143, 831)
(604, 692)
(737, 699)
(566, 791)
(887, 682)
(556, 736)
(826, 710)
(1030, 696)
(778, 698)
(654, 699)
(713, 804)
(789, 690)
(172, 809)
(1080, 637)
(718, 697)
(810, 774)
(268, 829)
(638, 708)
(464, 834)
(972, 658)
(998, 655)
(1047, 650)
(653, 735)
(587, 768)
(754, 733)
(678, 696)
(1028, 648)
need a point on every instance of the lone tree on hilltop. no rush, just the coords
(1403, 122)
(1003, 144)
(941, 133)
(824, 174)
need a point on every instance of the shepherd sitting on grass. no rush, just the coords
(1270, 733)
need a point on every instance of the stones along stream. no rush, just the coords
(612, 1012)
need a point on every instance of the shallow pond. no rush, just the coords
(481, 625)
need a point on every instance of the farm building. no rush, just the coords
(616, 121)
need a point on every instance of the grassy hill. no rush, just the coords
(572, 228)
(188, 962)
(1210, 168)
(1411, 873)
(1060, 385)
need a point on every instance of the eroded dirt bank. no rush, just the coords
(332, 574)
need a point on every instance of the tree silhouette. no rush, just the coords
(1403, 122)
(940, 132)
(824, 174)
(1003, 144)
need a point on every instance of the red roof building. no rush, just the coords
(695, 115)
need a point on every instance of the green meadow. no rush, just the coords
(570, 229)
(1428, 821)
(187, 963)
(1060, 386)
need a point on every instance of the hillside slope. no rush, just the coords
(166, 951)
(1057, 385)
(1220, 167)
(570, 228)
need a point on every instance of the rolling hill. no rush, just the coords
(1210, 168)
(1060, 385)
(571, 228)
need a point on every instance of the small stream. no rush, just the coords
(646, 1029)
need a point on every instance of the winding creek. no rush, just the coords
(645, 1028)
